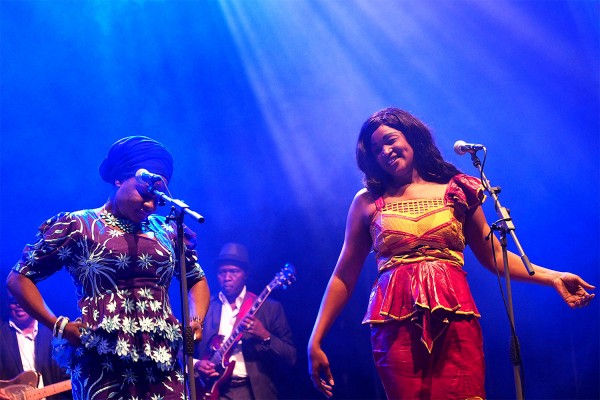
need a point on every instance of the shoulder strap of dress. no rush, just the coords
(380, 203)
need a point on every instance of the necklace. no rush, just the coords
(123, 224)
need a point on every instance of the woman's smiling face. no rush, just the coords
(392, 152)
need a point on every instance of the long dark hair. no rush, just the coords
(428, 160)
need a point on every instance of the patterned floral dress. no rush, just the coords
(131, 338)
(419, 248)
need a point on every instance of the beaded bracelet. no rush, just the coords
(199, 320)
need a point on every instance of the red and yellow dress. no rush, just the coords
(426, 338)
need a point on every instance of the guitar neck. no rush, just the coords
(238, 329)
(49, 390)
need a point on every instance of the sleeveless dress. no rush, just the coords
(426, 338)
(131, 338)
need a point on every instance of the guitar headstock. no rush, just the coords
(286, 276)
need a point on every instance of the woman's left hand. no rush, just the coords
(196, 325)
(573, 289)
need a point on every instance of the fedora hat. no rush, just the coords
(235, 254)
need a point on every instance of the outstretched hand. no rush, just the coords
(320, 374)
(573, 289)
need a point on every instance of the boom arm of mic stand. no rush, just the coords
(504, 215)
(180, 205)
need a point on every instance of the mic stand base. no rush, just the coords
(514, 341)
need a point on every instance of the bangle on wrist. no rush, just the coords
(61, 328)
(57, 325)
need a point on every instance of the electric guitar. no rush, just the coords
(24, 387)
(220, 351)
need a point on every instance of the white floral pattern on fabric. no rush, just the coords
(122, 282)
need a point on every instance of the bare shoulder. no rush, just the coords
(363, 197)
(363, 204)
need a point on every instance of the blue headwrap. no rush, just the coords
(131, 153)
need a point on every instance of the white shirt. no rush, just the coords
(228, 317)
(26, 344)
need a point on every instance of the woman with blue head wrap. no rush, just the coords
(128, 155)
(121, 257)
(131, 199)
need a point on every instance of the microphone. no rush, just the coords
(461, 147)
(143, 175)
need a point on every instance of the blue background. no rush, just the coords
(261, 102)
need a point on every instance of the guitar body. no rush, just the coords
(24, 387)
(210, 387)
(26, 380)
(219, 350)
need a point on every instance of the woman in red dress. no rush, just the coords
(418, 213)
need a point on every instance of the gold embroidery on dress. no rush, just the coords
(414, 207)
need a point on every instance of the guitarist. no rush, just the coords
(266, 346)
(26, 345)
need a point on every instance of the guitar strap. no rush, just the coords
(245, 307)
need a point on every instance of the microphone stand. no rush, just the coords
(178, 211)
(505, 225)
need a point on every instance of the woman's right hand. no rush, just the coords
(72, 332)
(318, 368)
(573, 289)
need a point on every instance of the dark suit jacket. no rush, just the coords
(10, 358)
(263, 362)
